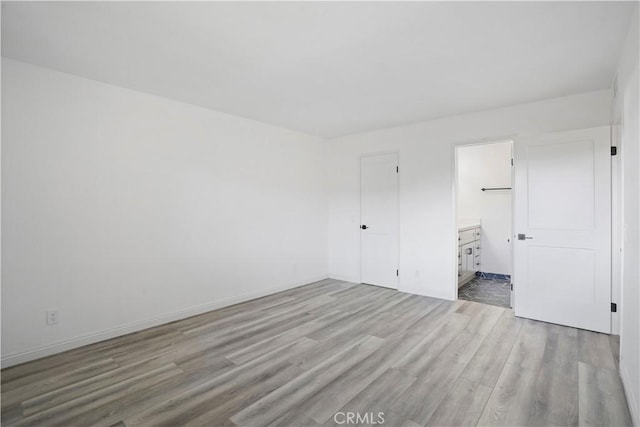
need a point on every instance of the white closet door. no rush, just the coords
(379, 219)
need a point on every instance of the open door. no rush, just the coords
(379, 220)
(562, 226)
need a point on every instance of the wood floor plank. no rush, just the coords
(554, 400)
(312, 358)
(362, 315)
(37, 387)
(69, 392)
(424, 319)
(528, 349)
(253, 351)
(409, 423)
(595, 349)
(459, 352)
(61, 414)
(601, 397)
(329, 400)
(614, 343)
(235, 319)
(61, 363)
(299, 308)
(181, 403)
(52, 375)
(375, 399)
(357, 405)
(11, 414)
(207, 409)
(291, 418)
(485, 318)
(131, 404)
(511, 398)
(276, 404)
(462, 406)
(382, 392)
(418, 359)
(421, 399)
(442, 370)
(253, 307)
(234, 339)
(298, 357)
(200, 361)
(486, 365)
(405, 315)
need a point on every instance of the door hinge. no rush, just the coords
(614, 151)
(512, 286)
(614, 307)
(397, 273)
(511, 162)
(397, 169)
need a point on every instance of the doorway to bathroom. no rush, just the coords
(484, 206)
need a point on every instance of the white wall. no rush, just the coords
(626, 112)
(427, 224)
(487, 165)
(125, 210)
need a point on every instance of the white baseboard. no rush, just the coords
(632, 401)
(48, 350)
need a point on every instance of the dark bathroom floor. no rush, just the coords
(487, 291)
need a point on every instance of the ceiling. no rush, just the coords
(328, 68)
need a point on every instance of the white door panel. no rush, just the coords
(561, 191)
(379, 213)
(563, 206)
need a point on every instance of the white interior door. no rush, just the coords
(379, 220)
(562, 268)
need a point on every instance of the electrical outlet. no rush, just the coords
(52, 317)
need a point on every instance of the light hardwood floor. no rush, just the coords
(298, 357)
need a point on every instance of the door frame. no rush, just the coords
(360, 157)
(454, 229)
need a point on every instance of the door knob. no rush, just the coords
(364, 227)
(522, 236)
